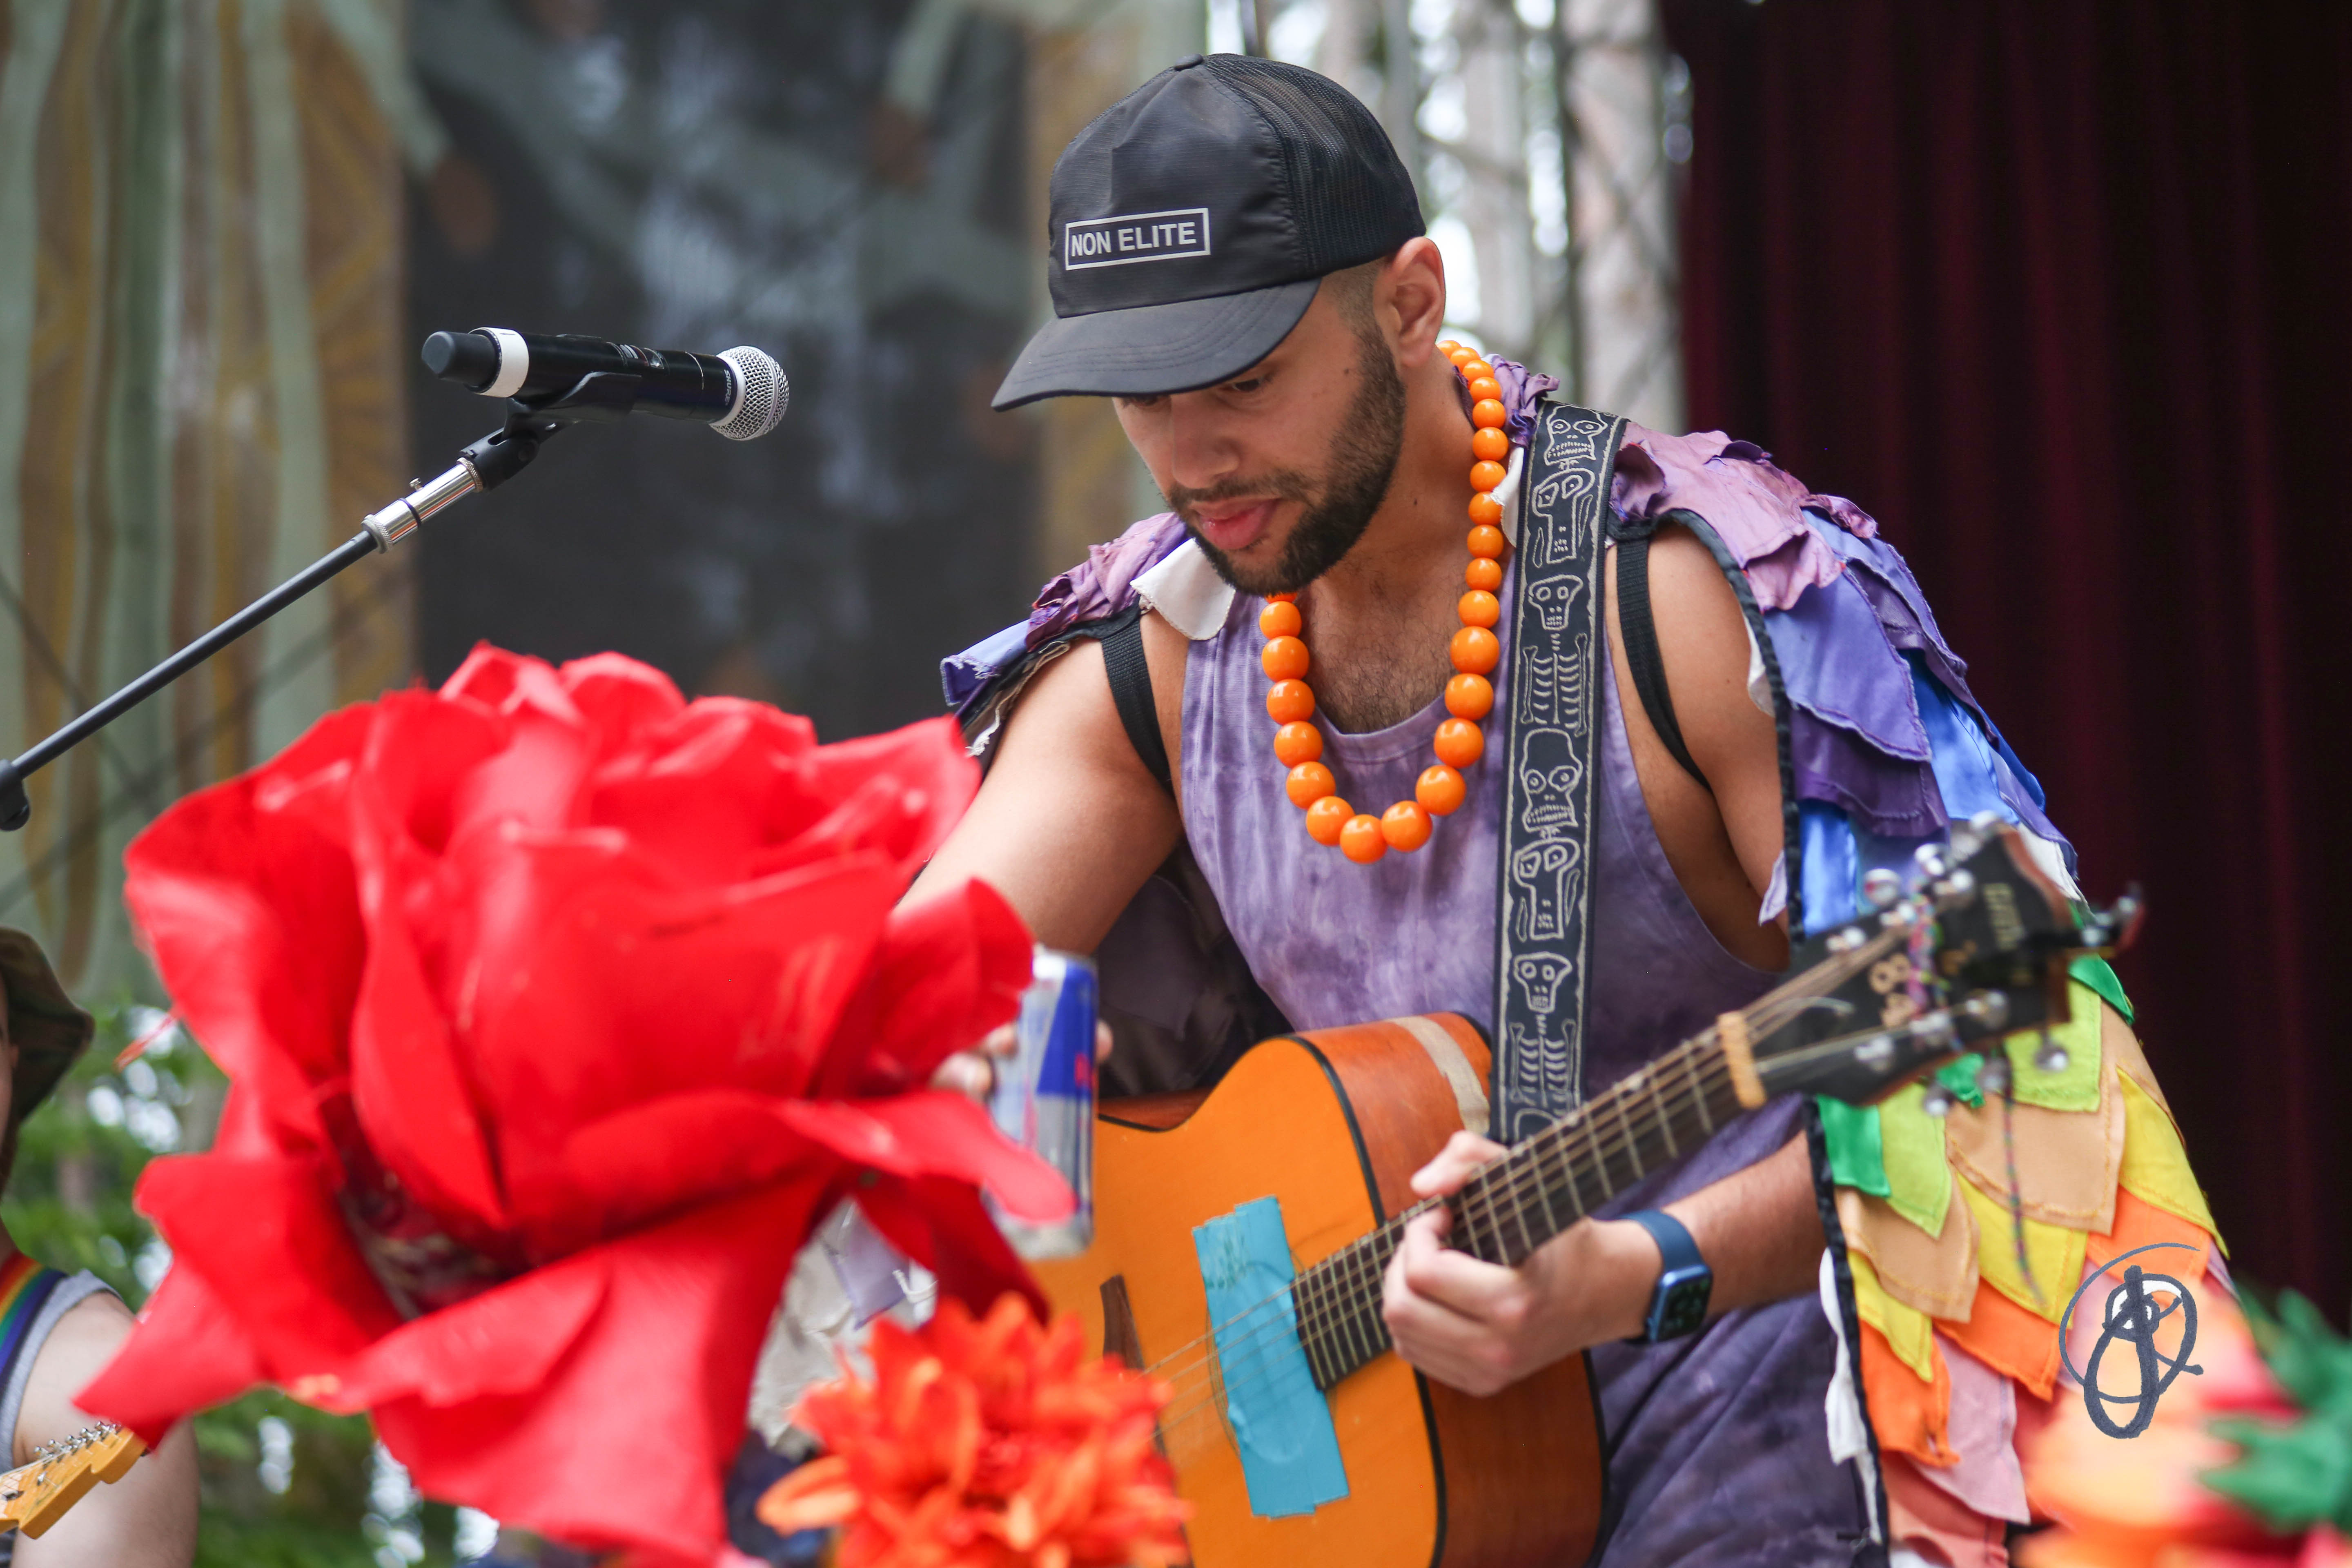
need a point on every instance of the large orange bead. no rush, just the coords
(1459, 745)
(1461, 356)
(1487, 414)
(1308, 783)
(1484, 571)
(1486, 386)
(1469, 696)
(1440, 790)
(1280, 619)
(1485, 476)
(1476, 651)
(1477, 370)
(1480, 608)
(1361, 841)
(1297, 744)
(1405, 825)
(1289, 701)
(1446, 345)
(1485, 512)
(1487, 539)
(1492, 444)
(1326, 817)
(1285, 658)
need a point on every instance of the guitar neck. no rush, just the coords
(1527, 1196)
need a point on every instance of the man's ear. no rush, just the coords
(1411, 299)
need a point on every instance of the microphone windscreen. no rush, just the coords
(469, 359)
(762, 395)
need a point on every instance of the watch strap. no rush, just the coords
(1678, 1301)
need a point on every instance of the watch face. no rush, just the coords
(1682, 1302)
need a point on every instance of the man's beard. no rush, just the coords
(1363, 458)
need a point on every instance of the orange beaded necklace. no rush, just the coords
(1469, 696)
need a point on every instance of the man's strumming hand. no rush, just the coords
(1480, 1328)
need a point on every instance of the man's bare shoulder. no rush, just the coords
(147, 1519)
(1069, 823)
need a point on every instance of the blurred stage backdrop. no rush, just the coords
(2047, 288)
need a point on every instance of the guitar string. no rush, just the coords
(1555, 1160)
(1348, 1299)
(1766, 1014)
(1243, 1369)
(1315, 1319)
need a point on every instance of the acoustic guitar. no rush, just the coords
(36, 1496)
(1333, 1123)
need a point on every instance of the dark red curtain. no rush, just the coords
(2057, 291)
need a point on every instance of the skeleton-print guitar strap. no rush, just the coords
(1543, 935)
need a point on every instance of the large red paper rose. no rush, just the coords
(556, 1008)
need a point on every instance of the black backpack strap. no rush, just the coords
(1130, 689)
(1643, 660)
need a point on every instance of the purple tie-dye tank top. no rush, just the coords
(1717, 1444)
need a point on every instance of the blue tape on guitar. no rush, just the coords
(1280, 1421)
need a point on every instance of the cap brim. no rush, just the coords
(1153, 349)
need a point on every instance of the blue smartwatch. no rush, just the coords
(1678, 1303)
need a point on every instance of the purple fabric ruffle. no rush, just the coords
(1757, 508)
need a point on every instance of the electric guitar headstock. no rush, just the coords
(1972, 946)
(36, 1496)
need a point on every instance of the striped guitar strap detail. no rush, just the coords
(1543, 935)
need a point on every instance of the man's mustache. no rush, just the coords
(1276, 487)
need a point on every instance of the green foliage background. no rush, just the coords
(70, 1204)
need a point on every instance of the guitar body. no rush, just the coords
(1332, 1123)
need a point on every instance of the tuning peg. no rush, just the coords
(1881, 886)
(1988, 823)
(1956, 890)
(1993, 1077)
(1938, 1102)
(1931, 860)
(2051, 1057)
(1987, 1009)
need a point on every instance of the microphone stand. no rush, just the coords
(602, 397)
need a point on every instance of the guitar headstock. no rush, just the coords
(36, 1496)
(1974, 947)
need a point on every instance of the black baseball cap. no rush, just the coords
(1191, 224)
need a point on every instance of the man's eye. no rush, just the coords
(1250, 385)
(1146, 400)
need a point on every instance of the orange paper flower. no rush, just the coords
(987, 1445)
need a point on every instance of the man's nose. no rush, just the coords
(1201, 448)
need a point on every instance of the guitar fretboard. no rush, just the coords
(1525, 1198)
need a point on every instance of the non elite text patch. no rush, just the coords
(1136, 237)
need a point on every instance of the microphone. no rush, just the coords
(741, 393)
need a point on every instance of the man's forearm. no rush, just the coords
(1759, 1230)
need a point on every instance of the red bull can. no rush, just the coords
(1044, 1098)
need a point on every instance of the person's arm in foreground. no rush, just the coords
(148, 1519)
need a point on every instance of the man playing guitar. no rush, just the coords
(1239, 262)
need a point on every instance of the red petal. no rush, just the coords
(683, 1149)
(934, 1134)
(268, 1236)
(185, 1353)
(932, 778)
(941, 1225)
(621, 698)
(625, 1442)
(502, 1342)
(233, 899)
(631, 998)
(948, 970)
